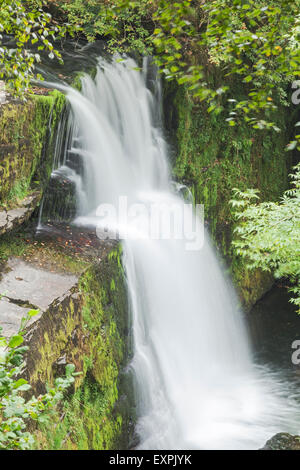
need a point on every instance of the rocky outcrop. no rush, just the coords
(83, 320)
(283, 441)
(11, 219)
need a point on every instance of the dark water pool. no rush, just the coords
(274, 325)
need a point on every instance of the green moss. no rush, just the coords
(11, 246)
(212, 158)
(88, 327)
(96, 317)
(49, 255)
(19, 191)
(27, 137)
(85, 418)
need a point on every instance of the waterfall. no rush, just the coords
(196, 383)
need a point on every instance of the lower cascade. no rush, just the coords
(196, 383)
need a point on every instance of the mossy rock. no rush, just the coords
(283, 441)
(212, 158)
(27, 131)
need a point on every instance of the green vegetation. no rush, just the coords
(89, 328)
(91, 418)
(85, 422)
(28, 24)
(228, 68)
(18, 192)
(211, 159)
(16, 411)
(126, 25)
(27, 138)
(268, 233)
(256, 41)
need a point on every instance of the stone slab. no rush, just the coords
(13, 218)
(10, 317)
(24, 286)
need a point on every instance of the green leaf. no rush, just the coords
(292, 145)
(70, 368)
(20, 382)
(33, 313)
(15, 341)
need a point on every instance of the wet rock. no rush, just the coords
(11, 219)
(31, 200)
(59, 366)
(62, 361)
(15, 214)
(283, 441)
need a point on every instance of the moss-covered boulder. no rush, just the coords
(283, 441)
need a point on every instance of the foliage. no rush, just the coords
(15, 411)
(256, 40)
(87, 422)
(29, 24)
(126, 27)
(268, 233)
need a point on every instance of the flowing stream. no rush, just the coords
(196, 383)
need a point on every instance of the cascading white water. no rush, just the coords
(196, 384)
